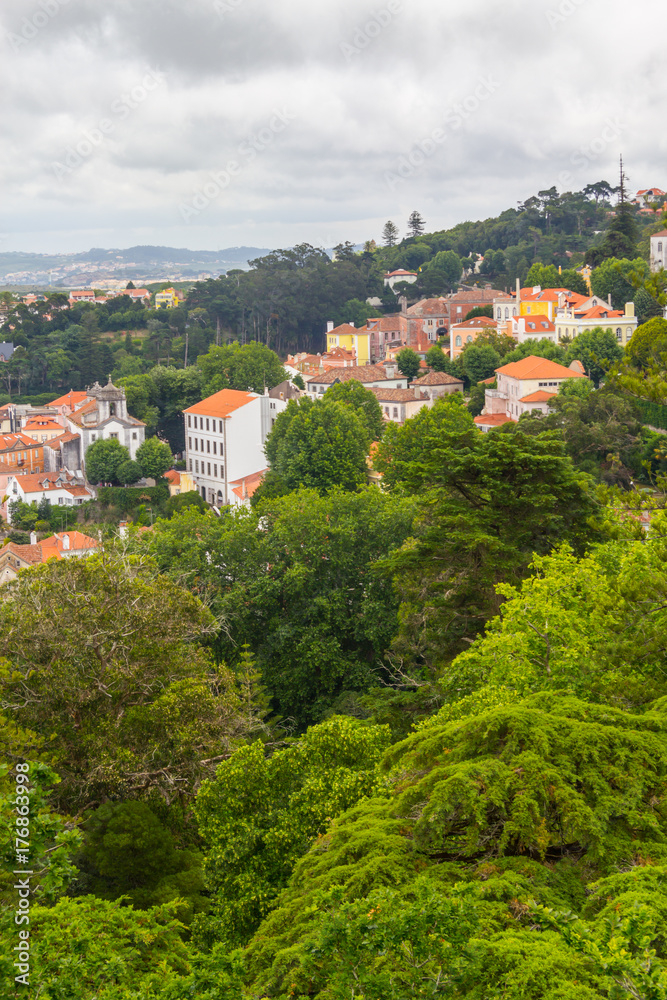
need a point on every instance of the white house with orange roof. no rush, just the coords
(60, 489)
(524, 328)
(225, 436)
(65, 545)
(524, 386)
(392, 278)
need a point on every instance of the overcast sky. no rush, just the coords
(216, 123)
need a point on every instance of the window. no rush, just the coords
(458, 341)
(190, 466)
(220, 426)
(190, 443)
(114, 436)
(619, 334)
(134, 435)
(189, 420)
(459, 309)
(207, 426)
(221, 451)
(61, 501)
(507, 314)
(208, 447)
(659, 247)
(196, 445)
(395, 413)
(215, 471)
(386, 410)
(201, 444)
(196, 466)
(469, 339)
(209, 468)
(93, 437)
(629, 332)
(215, 448)
(500, 313)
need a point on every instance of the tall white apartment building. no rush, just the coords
(224, 443)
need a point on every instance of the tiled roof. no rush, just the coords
(346, 330)
(173, 477)
(494, 420)
(538, 397)
(248, 486)
(71, 398)
(537, 323)
(12, 441)
(44, 482)
(61, 439)
(397, 395)
(477, 323)
(600, 312)
(30, 554)
(55, 545)
(534, 367)
(429, 307)
(42, 424)
(362, 373)
(438, 378)
(221, 404)
(394, 274)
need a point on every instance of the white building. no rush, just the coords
(659, 250)
(60, 489)
(105, 416)
(385, 376)
(524, 386)
(224, 443)
(398, 405)
(393, 277)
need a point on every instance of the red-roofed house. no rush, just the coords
(224, 441)
(523, 386)
(179, 482)
(42, 428)
(60, 489)
(66, 545)
(68, 403)
(355, 341)
(392, 278)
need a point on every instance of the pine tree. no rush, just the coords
(255, 700)
(390, 234)
(416, 224)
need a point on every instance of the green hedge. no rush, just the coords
(127, 498)
(652, 413)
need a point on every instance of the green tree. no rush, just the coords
(598, 350)
(129, 698)
(480, 311)
(103, 460)
(480, 362)
(416, 224)
(129, 473)
(487, 503)
(363, 402)
(408, 362)
(614, 277)
(390, 234)
(254, 839)
(319, 619)
(437, 359)
(251, 368)
(355, 311)
(320, 446)
(129, 853)
(154, 457)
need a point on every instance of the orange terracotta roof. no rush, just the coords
(538, 397)
(600, 312)
(61, 439)
(71, 398)
(533, 322)
(248, 486)
(42, 424)
(533, 367)
(55, 545)
(29, 554)
(11, 441)
(173, 477)
(494, 420)
(44, 482)
(221, 404)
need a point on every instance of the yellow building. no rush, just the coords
(166, 299)
(347, 336)
(42, 429)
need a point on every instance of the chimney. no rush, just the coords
(330, 326)
(66, 543)
(609, 300)
(518, 292)
(351, 323)
(629, 310)
(418, 392)
(123, 529)
(33, 538)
